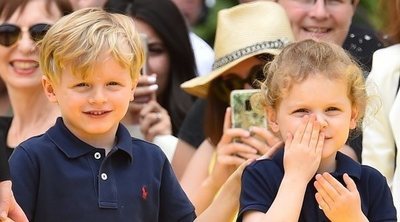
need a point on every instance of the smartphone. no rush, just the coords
(144, 40)
(244, 115)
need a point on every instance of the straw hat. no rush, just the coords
(244, 31)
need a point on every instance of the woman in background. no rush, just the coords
(381, 132)
(22, 24)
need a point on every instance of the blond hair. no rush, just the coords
(77, 41)
(305, 59)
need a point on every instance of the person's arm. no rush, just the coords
(199, 183)
(223, 208)
(182, 156)
(9, 209)
(225, 205)
(191, 135)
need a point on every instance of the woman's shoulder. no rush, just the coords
(391, 53)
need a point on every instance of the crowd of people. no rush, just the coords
(114, 110)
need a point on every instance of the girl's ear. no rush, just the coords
(354, 118)
(271, 119)
(49, 89)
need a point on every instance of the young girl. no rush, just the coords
(314, 95)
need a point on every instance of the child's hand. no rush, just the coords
(154, 120)
(303, 150)
(338, 202)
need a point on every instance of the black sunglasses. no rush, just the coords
(224, 85)
(9, 34)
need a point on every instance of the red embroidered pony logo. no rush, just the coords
(145, 193)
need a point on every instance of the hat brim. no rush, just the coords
(199, 86)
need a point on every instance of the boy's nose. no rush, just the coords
(98, 96)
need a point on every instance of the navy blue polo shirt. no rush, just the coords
(58, 177)
(261, 181)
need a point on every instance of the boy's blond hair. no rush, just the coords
(77, 41)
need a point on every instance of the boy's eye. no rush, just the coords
(113, 84)
(82, 84)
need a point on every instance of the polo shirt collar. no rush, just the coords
(344, 164)
(73, 147)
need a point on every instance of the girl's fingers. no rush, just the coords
(320, 144)
(289, 140)
(321, 202)
(298, 135)
(351, 186)
(335, 186)
(321, 189)
(305, 139)
(314, 139)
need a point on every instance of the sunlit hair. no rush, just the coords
(307, 59)
(77, 41)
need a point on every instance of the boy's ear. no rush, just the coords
(271, 119)
(133, 92)
(354, 118)
(49, 89)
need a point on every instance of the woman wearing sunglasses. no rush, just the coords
(22, 24)
(239, 59)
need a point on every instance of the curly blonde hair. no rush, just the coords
(305, 59)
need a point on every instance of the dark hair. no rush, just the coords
(214, 113)
(7, 8)
(391, 19)
(165, 18)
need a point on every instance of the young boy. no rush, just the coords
(87, 167)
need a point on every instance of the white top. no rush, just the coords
(382, 129)
(167, 143)
(203, 53)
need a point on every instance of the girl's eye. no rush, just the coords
(332, 109)
(301, 111)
